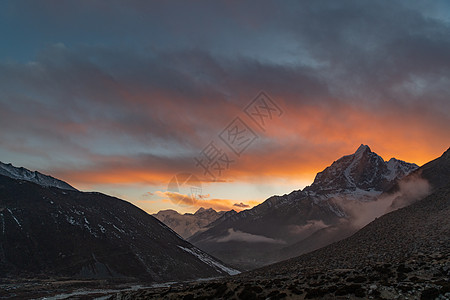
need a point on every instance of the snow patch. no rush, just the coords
(71, 220)
(3, 223)
(90, 230)
(336, 210)
(102, 229)
(15, 219)
(118, 229)
(209, 260)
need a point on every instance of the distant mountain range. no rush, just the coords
(304, 220)
(188, 224)
(47, 228)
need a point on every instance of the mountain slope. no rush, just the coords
(258, 236)
(33, 176)
(55, 232)
(437, 171)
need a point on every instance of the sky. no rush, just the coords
(222, 104)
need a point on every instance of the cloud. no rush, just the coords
(242, 205)
(147, 196)
(239, 236)
(91, 111)
(197, 202)
(310, 227)
(142, 125)
(410, 189)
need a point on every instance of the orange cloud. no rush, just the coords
(87, 179)
(197, 202)
(303, 141)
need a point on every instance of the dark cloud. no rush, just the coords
(242, 205)
(146, 85)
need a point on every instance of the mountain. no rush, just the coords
(33, 176)
(48, 231)
(363, 170)
(403, 254)
(225, 216)
(421, 229)
(304, 220)
(437, 172)
(404, 250)
(188, 224)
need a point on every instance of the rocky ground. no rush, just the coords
(423, 277)
(64, 288)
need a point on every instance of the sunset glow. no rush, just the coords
(123, 115)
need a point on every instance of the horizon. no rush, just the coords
(138, 97)
(194, 208)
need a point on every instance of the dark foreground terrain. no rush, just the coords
(422, 277)
(402, 255)
(62, 288)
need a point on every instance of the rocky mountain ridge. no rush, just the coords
(33, 176)
(186, 225)
(363, 170)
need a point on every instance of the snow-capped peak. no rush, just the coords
(203, 210)
(361, 149)
(33, 176)
(363, 170)
(398, 168)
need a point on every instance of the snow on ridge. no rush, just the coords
(32, 176)
(336, 210)
(209, 260)
(396, 167)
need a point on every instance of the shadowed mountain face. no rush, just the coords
(302, 221)
(437, 171)
(51, 231)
